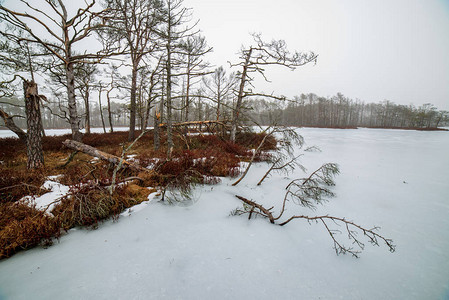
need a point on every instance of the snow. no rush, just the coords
(46, 202)
(396, 179)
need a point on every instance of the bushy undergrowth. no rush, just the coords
(251, 140)
(18, 182)
(87, 205)
(23, 227)
(10, 148)
(196, 159)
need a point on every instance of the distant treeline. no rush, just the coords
(340, 111)
(305, 110)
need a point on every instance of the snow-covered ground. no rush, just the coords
(396, 179)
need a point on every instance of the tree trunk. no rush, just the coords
(157, 135)
(238, 106)
(148, 103)
(200, 109)
(73, 114)
(34, 124)
(86, 103)
(158, 119)
(42, 130)
(169, 104)
(78, 146)
(101, 110)
(132, 109)
(109, 111)
(218, 99)
(9, 123)
(187, 102)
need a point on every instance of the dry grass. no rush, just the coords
(90, 204)
(17, 182)
(23, 227)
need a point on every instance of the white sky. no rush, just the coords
(395, 50)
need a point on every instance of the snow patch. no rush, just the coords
(47, 201)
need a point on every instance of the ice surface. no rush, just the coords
(395, 179)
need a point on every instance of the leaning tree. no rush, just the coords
(253, 60)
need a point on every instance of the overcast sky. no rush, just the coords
(395, 50)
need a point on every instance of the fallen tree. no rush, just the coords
(89, 150)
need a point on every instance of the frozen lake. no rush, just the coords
(396, 179)
(8, 133)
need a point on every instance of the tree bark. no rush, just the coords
(187, 100)
(101, 110)
(73, 114)
(109, 111)
(34, 124)
(9, 123)
(86, 103)
(218, 99)
(132, 109)
(157, 138)
(158, 119)
(238, 106)
(78, 146)
(169, 103)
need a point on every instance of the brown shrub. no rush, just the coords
(18, 182)
(252, 140)
(10, 148)
(136, 192)
(23, 227)
(87, 205)
(54, 143)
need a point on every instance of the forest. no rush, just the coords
(306, 110)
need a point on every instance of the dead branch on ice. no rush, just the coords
(310, 192)
(352, 229)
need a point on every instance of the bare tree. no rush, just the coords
(159, 114)
(193, 49)
(100, 91)
(253, 60)
(85, 77)
(220, 87)
(151, 88)
(174, 29)
(132, 24)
